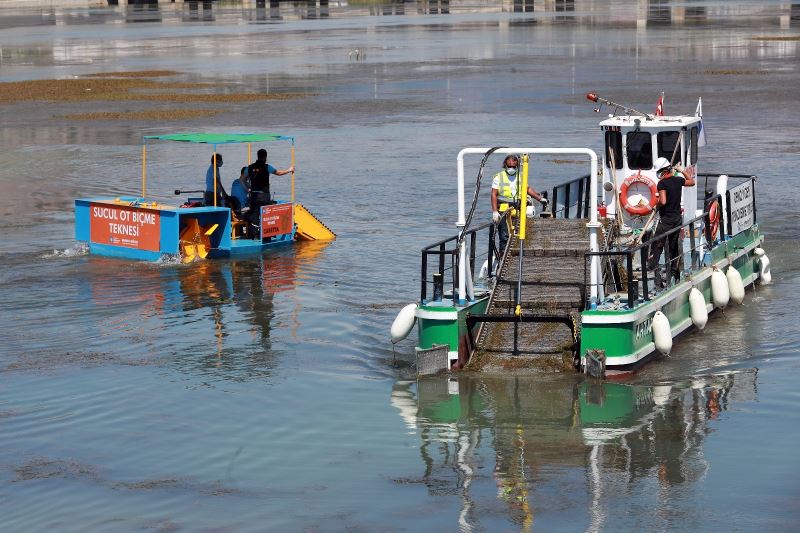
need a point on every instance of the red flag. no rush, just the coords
(660, 106)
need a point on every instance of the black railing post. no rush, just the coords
(753, 189)
(586, 200)
(553, 209)
(566, 200)
(472, 242)
(631, 281)
(441, 257)
(490, 252)
(729, 222)
(643, 259)
(693, 245)
(423, 290)
(579, 213)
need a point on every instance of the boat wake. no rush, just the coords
(76, 250)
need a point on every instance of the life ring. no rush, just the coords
(713, 219)
(623, 194)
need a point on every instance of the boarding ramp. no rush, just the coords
(545, 333)
(309, 227)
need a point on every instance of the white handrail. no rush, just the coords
(593, 225)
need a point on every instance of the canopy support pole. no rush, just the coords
(144, 169)
(215, 175)
(292, 170)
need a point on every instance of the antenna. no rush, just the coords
(594, 97)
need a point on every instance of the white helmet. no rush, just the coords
(661, 164)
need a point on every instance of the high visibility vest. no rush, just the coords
(508, 191)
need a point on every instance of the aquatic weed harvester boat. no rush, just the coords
(138, 228)
(577, 287)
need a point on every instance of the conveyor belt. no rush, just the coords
(552, 287)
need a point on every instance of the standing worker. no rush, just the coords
(259, 173)
(670, 188)
(505, 194)
(208, 195)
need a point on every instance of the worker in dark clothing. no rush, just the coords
(670, 189)
(259, 173)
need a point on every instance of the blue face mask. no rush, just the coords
(511, 171)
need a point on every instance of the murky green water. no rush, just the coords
(263, 394)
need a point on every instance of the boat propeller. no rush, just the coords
(194, 240)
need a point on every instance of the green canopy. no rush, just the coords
(221, 138)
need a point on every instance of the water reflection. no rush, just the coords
(616, 433)
(642, 13)
(226, 310)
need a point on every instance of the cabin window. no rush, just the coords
(693, 133)
(639, 148)
(666, 144)
(614, 142)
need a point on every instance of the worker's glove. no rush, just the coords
(678, 167)
(495, 217)
(545, 202)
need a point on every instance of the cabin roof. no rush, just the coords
(629, 121)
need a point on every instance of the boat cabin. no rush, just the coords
(633, 143)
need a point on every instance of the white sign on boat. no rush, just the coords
(741, 207)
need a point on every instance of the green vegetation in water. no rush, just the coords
(776, 38)
(158, 114)
(124, 87)
(732, 72)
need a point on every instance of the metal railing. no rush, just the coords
(639, 290)
(441, 252)
(572, 194)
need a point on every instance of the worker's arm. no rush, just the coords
(535, 195)
(494, 200)
(687, 182)
(284, 171)
(662, 197)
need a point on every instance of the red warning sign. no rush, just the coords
(276, 220)
(129, 227)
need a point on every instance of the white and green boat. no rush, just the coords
(572, 289)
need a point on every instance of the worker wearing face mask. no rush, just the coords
(505, 194)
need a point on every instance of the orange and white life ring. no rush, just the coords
(623, 194)
(714, 216)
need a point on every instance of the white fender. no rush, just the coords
(697, 308)
(765, 275)
(720, 294)
(484, 271)
(530, 212)
(735, 285)
(402, 325)
(662, 333)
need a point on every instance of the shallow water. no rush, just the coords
(263, 394)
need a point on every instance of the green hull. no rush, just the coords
(626, 336)
(440, 323)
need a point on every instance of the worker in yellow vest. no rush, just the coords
(505, 195)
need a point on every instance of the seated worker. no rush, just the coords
(240, 191)
(505, 194)
(208, 195)
(259, 173)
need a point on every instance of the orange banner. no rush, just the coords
(276, 220)
(129, 227)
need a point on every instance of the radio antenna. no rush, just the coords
(594, 97)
